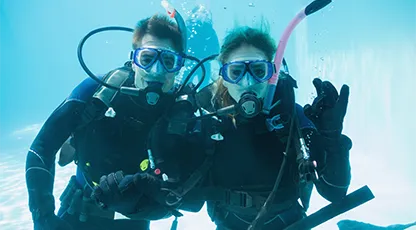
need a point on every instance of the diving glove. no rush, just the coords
(122, 193)
(328, 109)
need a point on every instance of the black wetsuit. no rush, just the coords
(103, 146)
(249, 159)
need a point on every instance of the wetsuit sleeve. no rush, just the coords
(40, 160)
(332, 157)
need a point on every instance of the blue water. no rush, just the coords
(369, 45)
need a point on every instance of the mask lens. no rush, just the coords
(171, 61)
(235, 70)
(260, 70)
(145, 58)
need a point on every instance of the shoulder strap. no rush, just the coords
(115, 78)
(103, 96)
(204, 96)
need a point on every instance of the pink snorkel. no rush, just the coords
(308, 10)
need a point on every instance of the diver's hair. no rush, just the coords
(160, 26)
(239, 36)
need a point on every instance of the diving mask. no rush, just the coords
(146, 57)
(246, 82)
(259, 70)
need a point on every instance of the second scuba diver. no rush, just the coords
(255, 148)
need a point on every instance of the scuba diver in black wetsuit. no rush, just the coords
(254, 145)
(110, 131)
(167, 171)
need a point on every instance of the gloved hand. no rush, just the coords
(122, 193)
(51, 222)
(328, 109)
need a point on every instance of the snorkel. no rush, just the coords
(271, 89)
(173, 13)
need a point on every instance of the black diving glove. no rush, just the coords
(122, 193)
(328, 109)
